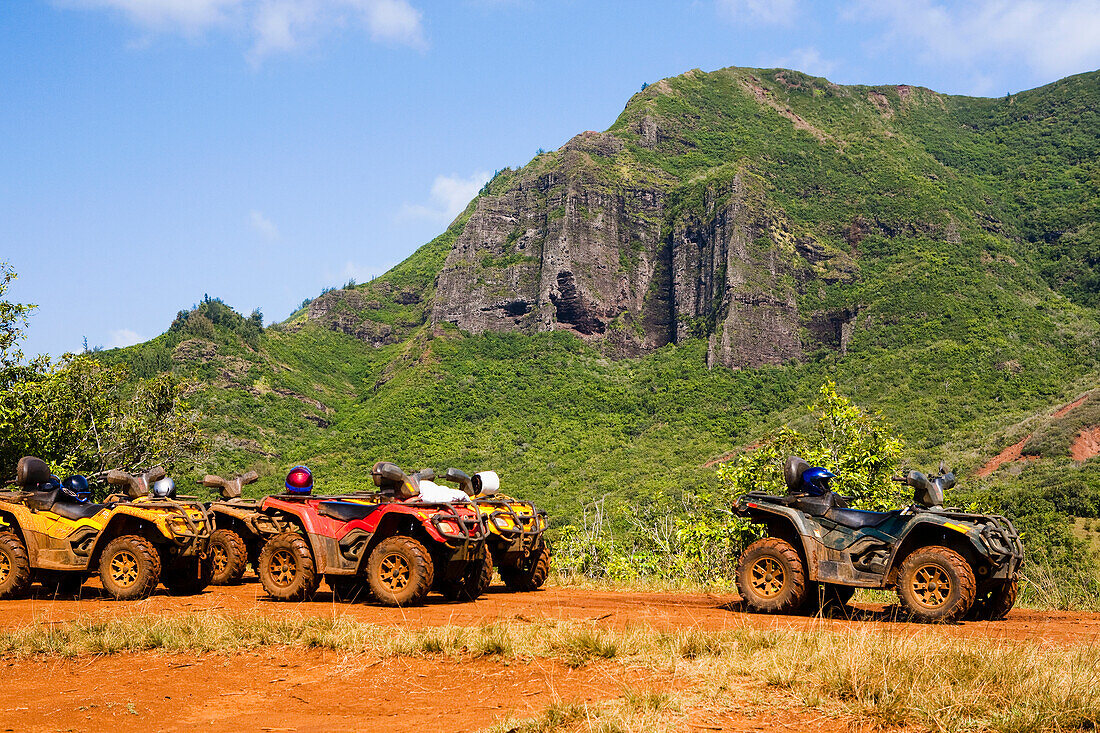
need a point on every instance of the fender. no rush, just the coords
(957, 531)
(273, 505)
(763, 512)
(13, 521)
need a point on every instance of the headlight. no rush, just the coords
(449, 527)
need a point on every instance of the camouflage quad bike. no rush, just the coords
(516, 528)
(943, 563)
(134, 541)
(374, 545)
(241, 531)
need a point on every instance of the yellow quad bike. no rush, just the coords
(133, 540)
(242, 529)
(520, 552)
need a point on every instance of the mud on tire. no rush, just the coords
(400, 572)
(936, 584)
(286, 568)
(15, 566)
(129, 568)
(532, 574)
(474, 581)
(770, 577)
(229, 555)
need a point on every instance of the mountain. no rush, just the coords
(619, 312)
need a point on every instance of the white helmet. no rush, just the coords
(486, 483)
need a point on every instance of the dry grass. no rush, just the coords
(919, 678)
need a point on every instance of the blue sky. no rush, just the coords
(152, 151)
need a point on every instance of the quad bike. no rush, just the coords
(373, 544)
(943, 563)
(242, 529)
(134, 541)
(516, 528)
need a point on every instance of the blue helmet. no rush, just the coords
(299, 480)
(76, 487)
(815, 481)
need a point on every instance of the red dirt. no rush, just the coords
(1086, 445)
(614, 609)
(295, 689)
(1066, 409)
(1008, 455)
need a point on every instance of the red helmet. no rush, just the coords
(299, 480)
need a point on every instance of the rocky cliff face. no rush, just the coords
(574, 244)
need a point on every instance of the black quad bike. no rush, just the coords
(242, 529)
(945, 564)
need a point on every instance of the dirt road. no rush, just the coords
(282, 689)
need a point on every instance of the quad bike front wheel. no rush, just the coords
(532, 574)
(286, 568)
(474, 581)
(770, 577)
(15, 566)
(229, 555)
(995, 601)
(400, 571)
(936, 584)
(129, 568)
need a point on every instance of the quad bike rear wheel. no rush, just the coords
(532, 574)
(229, 555)
(188, 576)
(474, 581)
(400, 571)
(770, 577)
(994, 603)
(936, 584)
(286, 568)
(129, 568)
(15, 567)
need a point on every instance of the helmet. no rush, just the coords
(76, 487)
(815, 481)
(299, 480)
(164, 489)
(53, 482)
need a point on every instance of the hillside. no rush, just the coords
(617, 313)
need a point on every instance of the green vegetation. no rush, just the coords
(950, 242)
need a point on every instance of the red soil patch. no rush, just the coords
(1063, 411)
(1087, 445)
(731, 455)
(1008, 455)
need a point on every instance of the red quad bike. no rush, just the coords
(372, 544)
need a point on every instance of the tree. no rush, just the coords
(83, 416)
(855, 445)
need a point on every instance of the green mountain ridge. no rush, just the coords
(617, 313)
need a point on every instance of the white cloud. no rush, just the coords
(262, 225)
(271, 26)
(808, 60)
(449, 196)
(1051, 37)
(123, 337)
(759, 12)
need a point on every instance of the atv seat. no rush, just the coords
(345, 511)
(75, 510)
(857, 518)
(818, 506)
